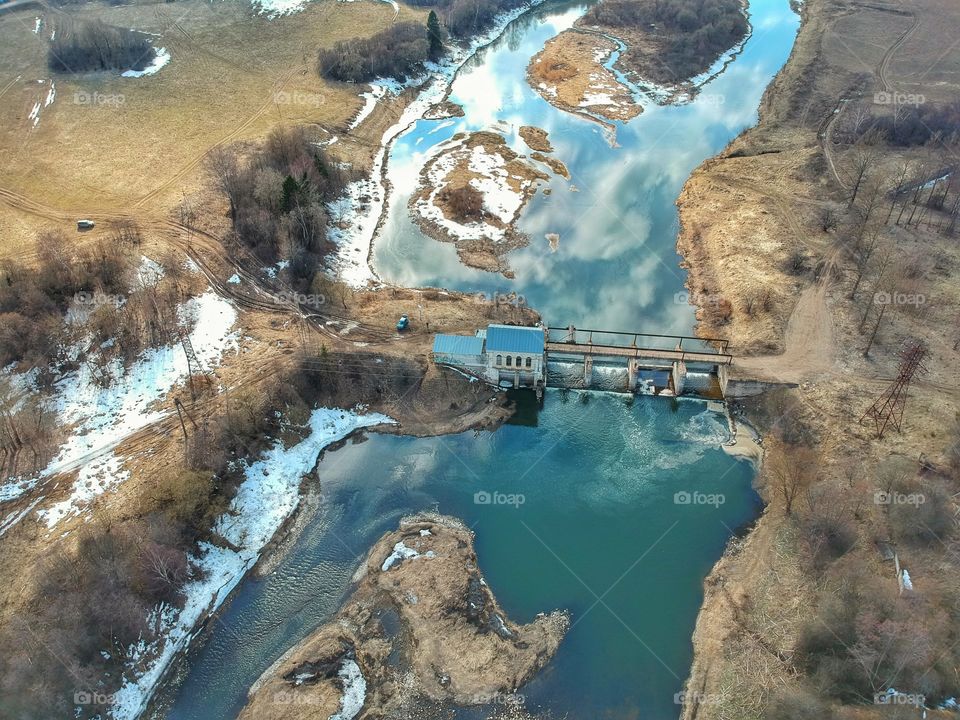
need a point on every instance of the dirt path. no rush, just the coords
(809, 339)
(826, 142)
(884, 67)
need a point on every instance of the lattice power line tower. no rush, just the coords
(888, 408)
(193, 364)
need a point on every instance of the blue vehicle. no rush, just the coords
(403, 323)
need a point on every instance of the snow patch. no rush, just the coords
(150, 272)
(354, 691)
(266, 497)
(370, 98)
(162, 58)
(400, 553)
(94, 479)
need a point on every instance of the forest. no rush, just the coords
(278, 198)
(690, 33)
(95, 46)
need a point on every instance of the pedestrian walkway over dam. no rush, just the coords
(573, 341)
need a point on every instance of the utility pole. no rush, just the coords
(193, 364)
(888, 408)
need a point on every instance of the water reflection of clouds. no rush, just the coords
(616, 263)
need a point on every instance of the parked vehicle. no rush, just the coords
(85, 224)
(403, 323)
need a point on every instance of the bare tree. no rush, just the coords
(225, 168)
(792, 469)
(865, 157)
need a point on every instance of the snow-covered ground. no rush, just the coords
(504, 193)
(161, 59)
(268, 495)
(102, 417)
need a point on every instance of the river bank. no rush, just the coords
(784, 300)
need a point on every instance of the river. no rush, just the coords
(627, 502)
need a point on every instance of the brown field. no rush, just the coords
(138, 145)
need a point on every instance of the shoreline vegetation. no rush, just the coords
(839, 602)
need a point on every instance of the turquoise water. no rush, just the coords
(603, 530)
(598, 533)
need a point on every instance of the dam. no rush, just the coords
(567, 357)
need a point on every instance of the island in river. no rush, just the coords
(661, 47)
(422, 628)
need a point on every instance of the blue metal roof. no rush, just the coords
(458, 344)
(509, 338)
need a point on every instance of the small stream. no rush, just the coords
(610, 528)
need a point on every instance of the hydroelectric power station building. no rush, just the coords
(503, 355)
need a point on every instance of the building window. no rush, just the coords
(509, 361)
(519, 361)
(529, 362)
(499, 359)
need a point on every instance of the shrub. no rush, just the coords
(93, 46)
(797, 263)
(278, 199)
(394, 52)
(466, 203)
(926, 518)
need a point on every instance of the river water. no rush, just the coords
(627, 503)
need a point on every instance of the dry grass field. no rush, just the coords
(114, 145)
(773, 185)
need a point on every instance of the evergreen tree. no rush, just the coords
(435, 35)
(290, 190)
